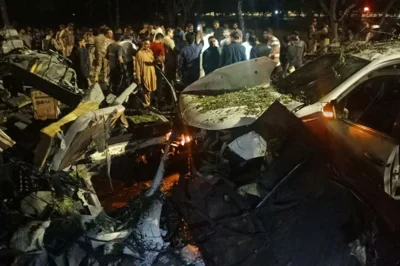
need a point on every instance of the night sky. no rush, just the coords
(93, 12)
(49, 13)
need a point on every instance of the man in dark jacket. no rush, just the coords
(258, 49)
(117, 61)
(296, 51)
(189, 59)
(233, 52)
(81, 63)
(211, 56)
(49, 43)
(218, 31)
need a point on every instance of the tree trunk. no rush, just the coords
(187, 8)
(170, 10)
(334, 30)
(117, 14)
(240, 14)
(386, 11)
(4, 13)
(199, 10)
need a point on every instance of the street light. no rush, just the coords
(366, 9)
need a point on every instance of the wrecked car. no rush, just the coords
(366, 74)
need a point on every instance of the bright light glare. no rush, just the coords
(327, 111)
(366, 9)
(327, 114)
(276, 12)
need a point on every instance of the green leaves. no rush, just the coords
(253, 100)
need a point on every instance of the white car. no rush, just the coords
(363, 88)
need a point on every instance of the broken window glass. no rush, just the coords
(319, 77)
(375, 103)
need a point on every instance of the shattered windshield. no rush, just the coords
(319, 77)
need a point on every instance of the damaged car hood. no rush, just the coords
(232, 96)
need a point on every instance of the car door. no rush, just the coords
(366, 119)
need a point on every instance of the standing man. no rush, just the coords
(227, 38)
(158, 49)
(189, 28)
(211, 56)
(145, 29)
(233, 52)
(81, 63)
(130, 50)
(203, 25)
(89, 38)
(324, 40)
(296, 51)
(158, 29)
(275, 46)
(189, 60)
(26, 38)
(101, 43)
(247, 44)
(145, 71)
(218, 31)
(67, 39)
(258, 49)
(171, 58)
(59, 45)
(236, 28)
(312, 43)
(37, 40)
(115, 55)
(49, 43)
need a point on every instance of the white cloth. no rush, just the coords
(225, 42)
(275, 45)
(206, 42)
(248, 49)
(156, 31)
(129, 49)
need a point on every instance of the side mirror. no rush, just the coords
(329, 111)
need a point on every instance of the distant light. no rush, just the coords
(276, 12)
(73, 14)
(366, 9)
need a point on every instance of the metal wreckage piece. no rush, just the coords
(48, 73)
(60, 219)
(278, 215)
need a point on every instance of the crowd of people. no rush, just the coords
(122, 56)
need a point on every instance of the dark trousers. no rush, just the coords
(277, 74)
(170, 72)
(116, 81)
(82, 82)
(190, 78)
(160, 85)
